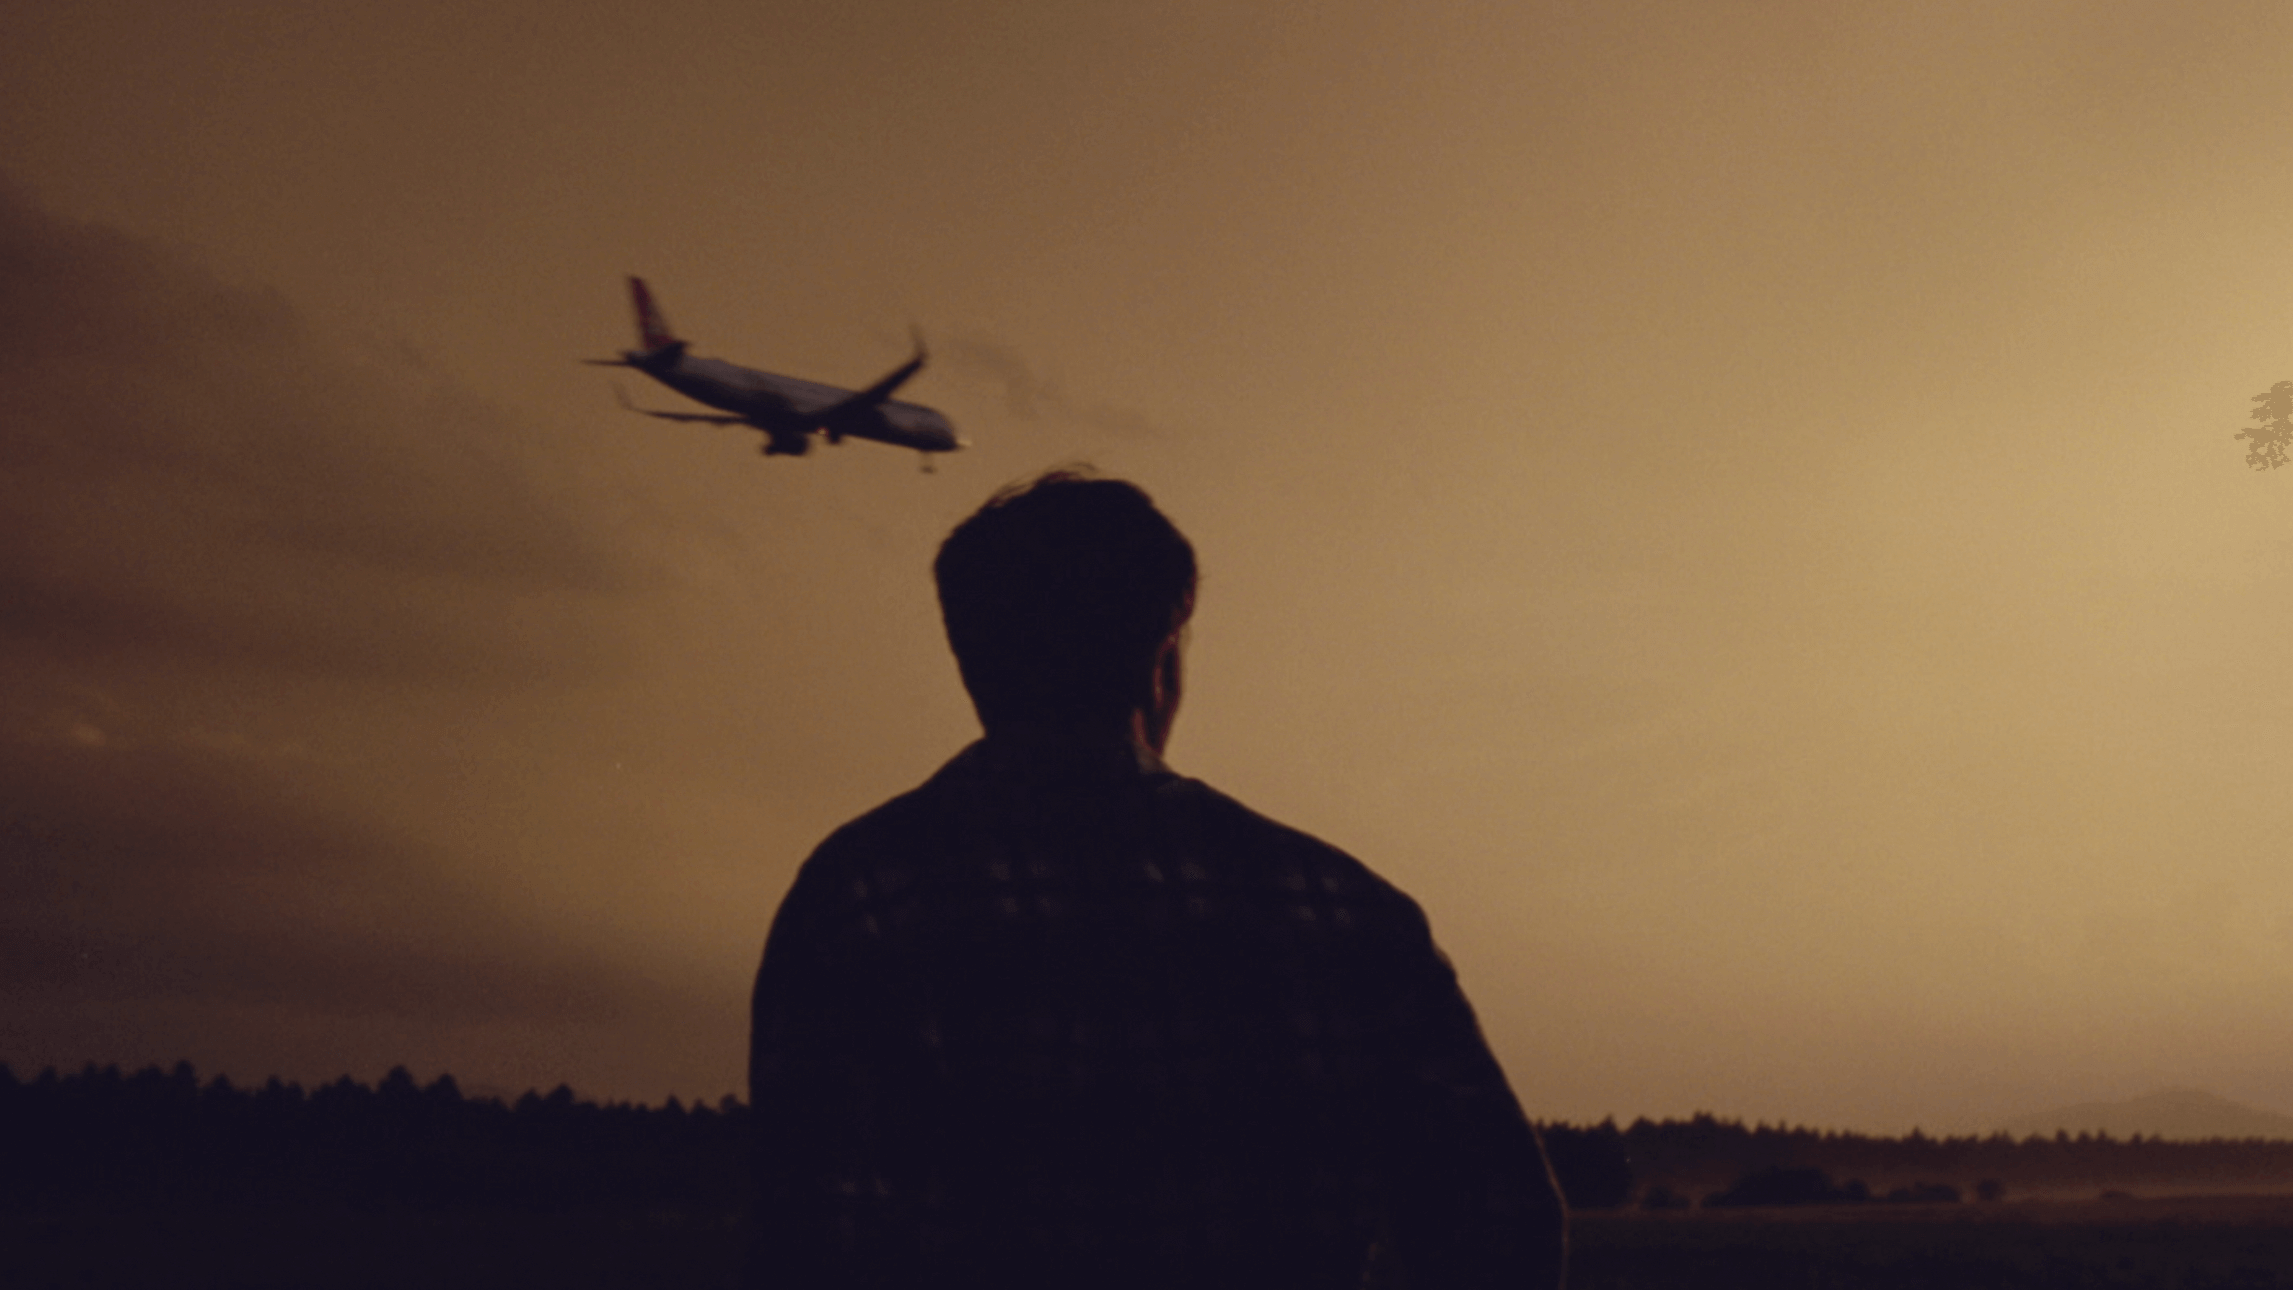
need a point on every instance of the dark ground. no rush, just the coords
(2182, 1244)
(278, 1249)
(2177, 1244)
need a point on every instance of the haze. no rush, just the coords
(1733, 507)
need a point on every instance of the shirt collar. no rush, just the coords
(1061, 761)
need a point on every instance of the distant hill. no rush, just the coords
(2186, 1114)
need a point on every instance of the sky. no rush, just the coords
(1733, 507)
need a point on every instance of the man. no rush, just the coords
(1061, 1018)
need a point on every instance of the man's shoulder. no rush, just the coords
(878, 852)
(892, 825)
(1255, 848)
(887, 848)
(1226, 822)
(875, 853)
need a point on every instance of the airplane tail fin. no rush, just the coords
(653, 334)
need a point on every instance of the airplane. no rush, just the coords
(787, 410)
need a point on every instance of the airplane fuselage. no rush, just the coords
(789, 409)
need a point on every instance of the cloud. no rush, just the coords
(251, 575)
(191, 471)
(159, 902)
(166, 872)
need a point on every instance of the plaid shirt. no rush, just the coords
(1084, 1023)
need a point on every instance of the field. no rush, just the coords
(2179, 1244)
(273, 1249)
(2193, 1243)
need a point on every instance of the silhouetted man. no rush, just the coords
(1061, 1018)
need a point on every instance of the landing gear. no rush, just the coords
(925, 460)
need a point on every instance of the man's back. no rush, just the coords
(1076, 1021)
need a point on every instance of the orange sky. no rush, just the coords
(1733, 507)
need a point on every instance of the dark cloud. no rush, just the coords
(167, 873)
(188, 469)
(227, 538)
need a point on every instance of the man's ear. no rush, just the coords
(1167, 686)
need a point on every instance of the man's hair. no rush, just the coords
(1058, 593)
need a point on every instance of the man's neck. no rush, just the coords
(1106, 743)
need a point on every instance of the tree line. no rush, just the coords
(104, 1138)
(101, 1138)
(1704, 1156)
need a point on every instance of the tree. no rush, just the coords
(2271, 438)
(1591, 1165)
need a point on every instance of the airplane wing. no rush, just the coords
(875, 395)
(694, 416)
(713, 418)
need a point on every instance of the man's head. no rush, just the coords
(1063, 599)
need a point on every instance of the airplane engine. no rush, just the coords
(794, 448)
